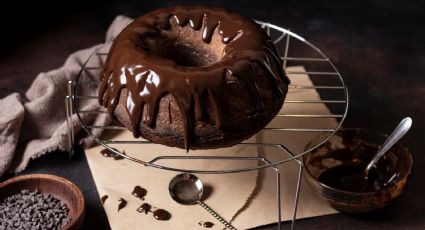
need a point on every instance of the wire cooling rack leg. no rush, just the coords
(279, 212)
(285, 56)
(278, 197)
(297, 196)
(69, 112)
(68, 108)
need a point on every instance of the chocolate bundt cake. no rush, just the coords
(193, 77)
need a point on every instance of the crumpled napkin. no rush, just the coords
(34, 124)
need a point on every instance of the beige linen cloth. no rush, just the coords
(247, 198)
(37, 120)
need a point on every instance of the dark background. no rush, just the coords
(378, 46)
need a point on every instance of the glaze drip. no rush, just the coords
(148, 77)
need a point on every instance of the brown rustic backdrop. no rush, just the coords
(378, 46)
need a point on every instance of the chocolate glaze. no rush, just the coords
(139, 192)
(148, 78)
(122, 204)
(161, 214)
(206, 224)
(103, 199)
(145, 207)
(108, 153)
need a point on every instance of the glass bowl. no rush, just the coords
(355, 147)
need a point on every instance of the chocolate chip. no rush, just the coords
(33, 210)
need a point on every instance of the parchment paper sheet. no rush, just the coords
(250, 195)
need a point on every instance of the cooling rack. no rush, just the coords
(295, 51)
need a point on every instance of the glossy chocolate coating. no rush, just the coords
(148, 73)
(108, 153)
(206, 224)
(144, 208)
(139, 192)
(161, 214)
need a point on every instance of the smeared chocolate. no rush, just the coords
(122, 204)
(148, 77)
(161, 214)
(144, 208)
(206, 224)
(108, 153)
(103, 199)
(139, 192)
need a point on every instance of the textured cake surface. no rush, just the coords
(193, 77)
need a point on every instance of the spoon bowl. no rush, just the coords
(187, 189)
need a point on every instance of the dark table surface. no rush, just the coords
(378, 46)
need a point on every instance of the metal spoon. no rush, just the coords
(187, 189)
(395, 136)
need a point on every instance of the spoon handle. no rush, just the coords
(395, 136)
(215, 215)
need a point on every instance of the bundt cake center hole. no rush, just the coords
(185, 54)
(185, 47)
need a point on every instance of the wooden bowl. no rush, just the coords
(60, 188)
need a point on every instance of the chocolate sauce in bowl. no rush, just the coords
(349, 175)
(350, 178)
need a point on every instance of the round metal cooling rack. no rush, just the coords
(326, 79)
